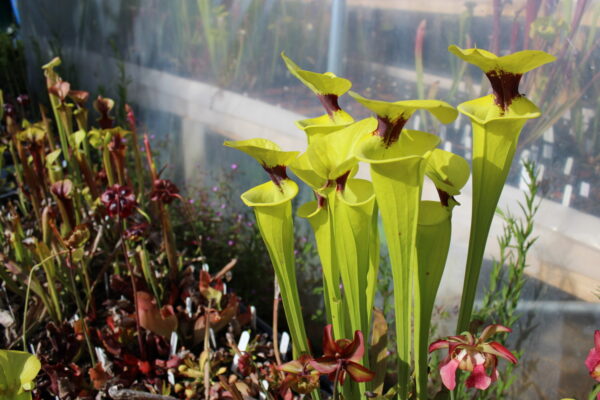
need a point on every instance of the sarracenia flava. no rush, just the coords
(497, 120)
(345, 210)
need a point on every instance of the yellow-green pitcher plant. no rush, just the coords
(398, 158)
(328, 88)
(345, 210)
(18, 369)
(344, 218)
(449, 173)
(497, 120)
(344, 214)
(272, 204)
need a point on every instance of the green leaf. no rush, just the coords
(353, 211)
(433, 243)
(320, 84)
(320, 220)
(18, 369)
(52, 157)
(515, 63)
(495, 138)
(397, 173)
(79, 137)
(273, 210)
(266, 152)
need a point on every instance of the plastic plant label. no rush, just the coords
(242, 345)
(568, 166)
(566, 200)
(253, 317)
(584, 189)
(547, 150)
(173, 342)
(549, 135)
(284, 344)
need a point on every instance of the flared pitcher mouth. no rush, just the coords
(411, 144)
(448, 171)
(310, 210)
(484, 110)
(270, 194)
(433, 213)
(324, 124)
(357, 192)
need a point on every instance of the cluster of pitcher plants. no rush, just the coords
(347, 210)
(91, 225)
(105, 287)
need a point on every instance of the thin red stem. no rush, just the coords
(135, 300)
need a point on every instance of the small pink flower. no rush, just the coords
(230, 243)
(475, 355)
(234, 166)
(592, 362)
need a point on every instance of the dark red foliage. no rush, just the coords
(343, 356)
(119, 201)
(103, 105)
(136, 232)
(164, 191)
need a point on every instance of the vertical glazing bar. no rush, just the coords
(338, 16)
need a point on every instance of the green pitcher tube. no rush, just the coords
(497, 120)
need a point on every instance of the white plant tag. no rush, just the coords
(284, 344)
(549, 135)
(523, 179)
(101, 356)
(448, 145)
(173, 342)
(541, 172)
(566, 200)
(205, 267)
(253, 317)
(584, 189)
(547, 150)
(188, 306)
(171, 377)
(568, 166)
(213, 340)
(242, 345)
